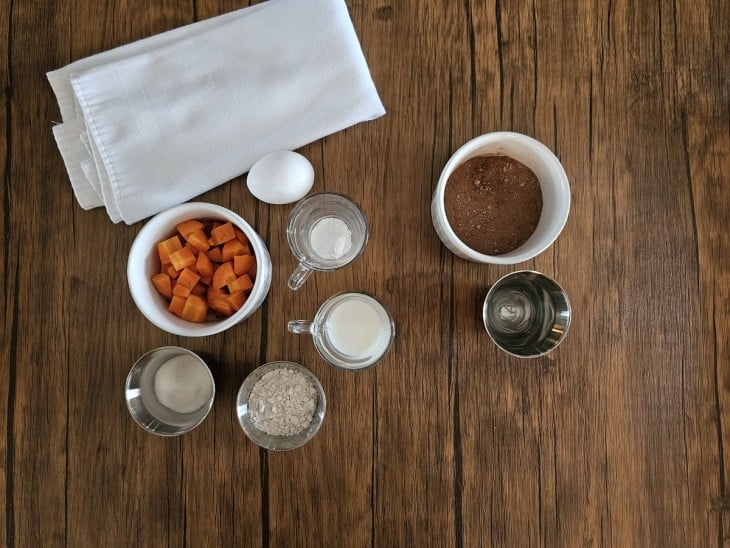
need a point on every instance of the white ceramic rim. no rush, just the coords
(143, 291)
(475, 147)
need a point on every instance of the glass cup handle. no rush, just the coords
(299, 276)
(301, 327)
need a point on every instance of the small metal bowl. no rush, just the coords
(279, 443)
(144, 406)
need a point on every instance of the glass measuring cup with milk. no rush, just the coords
(351, 330)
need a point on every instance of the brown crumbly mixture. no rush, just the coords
(493, 203)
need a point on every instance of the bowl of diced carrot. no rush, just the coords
(197, 269)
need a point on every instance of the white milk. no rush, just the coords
(355, 328)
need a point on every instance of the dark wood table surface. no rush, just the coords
(617, 438)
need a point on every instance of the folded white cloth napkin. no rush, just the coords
(154, 123)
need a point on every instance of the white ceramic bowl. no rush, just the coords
(144, 262)
(553, 184)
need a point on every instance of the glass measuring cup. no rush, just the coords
(326, 231)
(352, 330)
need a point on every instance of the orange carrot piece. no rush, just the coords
(206, 280)
(188, 278)
(240, 236)
(215, 254)
(163, 284)
(236, 299)
(194, 250)
(221, 234)
(199, 289)
(204, 265)
(166, 247)
(195, 309)
(180, 290)
(223, 275)
(177, 304)
(218, 301)
(232, 248)
(172, 272)
(198, 240)
(242, 283)
(188, 227)
(182, 258)
(242, 264)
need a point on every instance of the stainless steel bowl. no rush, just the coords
(527, 314)
(143, 404)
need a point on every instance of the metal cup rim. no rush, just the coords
(541, 275)
(139, 363)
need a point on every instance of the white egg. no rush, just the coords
(281, 177)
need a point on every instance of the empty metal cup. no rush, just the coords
(143, 403)
(526, 314)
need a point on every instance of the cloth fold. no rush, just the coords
(155, 123)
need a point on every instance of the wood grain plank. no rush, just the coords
(36, 220)
(8, 298)
(415, 477)
(708, 163)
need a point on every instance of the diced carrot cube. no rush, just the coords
(188, 278)
(198, 240)
(163, 284)
(177, 304)
(223, 275)
(242, 264)
(166, 247)
(181, 258)
(204, 265)
(199, 289)
(206, 280)
(194, 250)
(232, 248)
(180, 290)
(172, 272)
(218, 301)
(242, 283)
(240, 236)
(236, 299)
(221, 234)
(195, 309)
(215, 254)
(188, 227)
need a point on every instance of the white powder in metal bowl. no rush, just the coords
(282, 402)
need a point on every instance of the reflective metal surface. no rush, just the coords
(143, 405)
(526, 314)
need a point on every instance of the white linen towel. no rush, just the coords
(155, 123)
